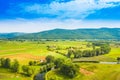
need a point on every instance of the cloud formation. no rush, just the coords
(39, 15)
(75, 9)
(60, 9)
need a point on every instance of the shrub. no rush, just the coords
(50, 59)
(15, 66)
(27, 70)
(70, 70)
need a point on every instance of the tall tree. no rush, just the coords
(7, 63)
(15, 66)
(58, 62)
(2, 62)
(27, 70)
(118, 60)
(50, 59)
(70, 70)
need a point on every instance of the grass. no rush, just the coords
(35, 48)
(101, 72)
(115, 52)
(54, 75)
(30, 50)
(101, 58)
(5, 74)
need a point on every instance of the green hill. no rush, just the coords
(10, 35)
(102, 33)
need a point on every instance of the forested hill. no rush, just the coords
(10, 35)
(102, 33)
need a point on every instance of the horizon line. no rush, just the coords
(61, 29)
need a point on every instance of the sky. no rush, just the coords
(39, 15)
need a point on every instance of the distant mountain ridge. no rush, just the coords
(102, 33)
(10, 35)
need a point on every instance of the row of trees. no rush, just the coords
(14, 66)
(27, 70)
(32, 63)
(66, 68)
(8, 64)
(47, 67)
(75, 53)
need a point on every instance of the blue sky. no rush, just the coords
(39, 15)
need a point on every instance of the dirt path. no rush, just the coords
(86, 72)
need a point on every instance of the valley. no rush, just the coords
(36, 51)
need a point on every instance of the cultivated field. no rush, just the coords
(25, 51)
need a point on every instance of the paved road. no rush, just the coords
(108, 62)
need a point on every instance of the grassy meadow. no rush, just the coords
(25, 51)
(93, 71)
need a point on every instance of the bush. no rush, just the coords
(27, 70)
(58, 62)
(5, 63)
(15, 66)
(50, 59)
(31, 63)
(70, 70)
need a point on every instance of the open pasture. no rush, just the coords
(38, 50)
(90, 71)
(115, 52)
(35, 49)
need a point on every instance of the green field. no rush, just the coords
(100, 72)
(37, 50)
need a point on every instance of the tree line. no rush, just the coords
(51, 63)
(65, 67)
(75, 53)
(14, 66)
(8, 64)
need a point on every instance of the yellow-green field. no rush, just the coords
(28, 50)
(37, 50)
(115, 52)
(93, 71)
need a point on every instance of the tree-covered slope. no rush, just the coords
(10, 35)
(102, 33)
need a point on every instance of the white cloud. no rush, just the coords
(38, 25)
(72, 9)
(109, 0)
